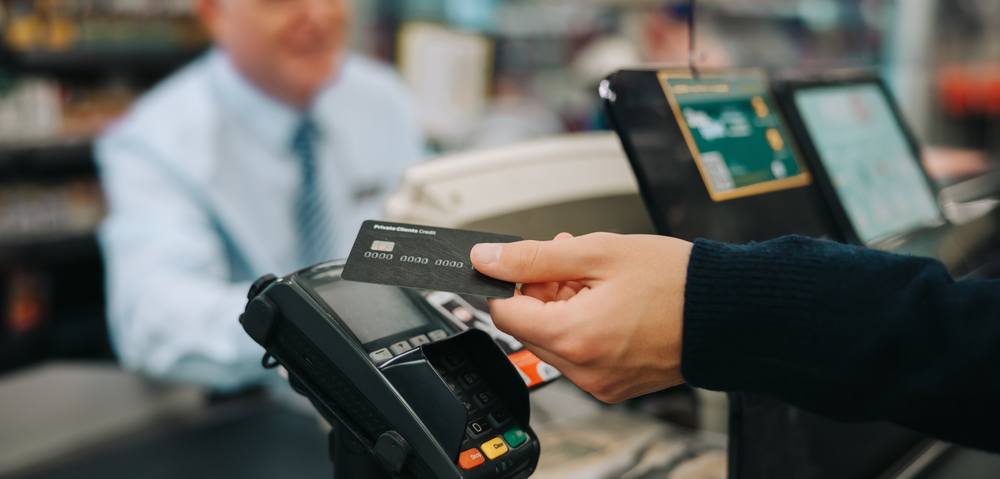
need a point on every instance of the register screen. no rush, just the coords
(865, 152)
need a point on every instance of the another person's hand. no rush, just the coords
(605, 309)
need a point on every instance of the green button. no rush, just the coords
(515, 437)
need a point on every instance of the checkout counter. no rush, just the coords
(578, 183)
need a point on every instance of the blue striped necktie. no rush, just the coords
(310, 209)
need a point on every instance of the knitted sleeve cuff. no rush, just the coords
(747, 313)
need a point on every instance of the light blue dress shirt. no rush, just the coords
(201, 180)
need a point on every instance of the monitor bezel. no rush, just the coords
(785, 90)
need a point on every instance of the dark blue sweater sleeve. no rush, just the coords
(847, 332)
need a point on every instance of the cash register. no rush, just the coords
(716, 157)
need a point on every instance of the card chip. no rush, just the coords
(383, 246)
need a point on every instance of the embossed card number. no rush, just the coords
(424, 257)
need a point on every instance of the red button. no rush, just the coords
(470, 459)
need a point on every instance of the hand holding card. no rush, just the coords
(424, 257)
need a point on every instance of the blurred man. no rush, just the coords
(263, 156)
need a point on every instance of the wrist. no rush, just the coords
(741, 302)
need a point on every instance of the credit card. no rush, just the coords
(424, 257)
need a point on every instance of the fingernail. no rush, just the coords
(486, 253)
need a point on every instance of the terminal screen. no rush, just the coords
(735, 134)
(392, 313)
(871, 165)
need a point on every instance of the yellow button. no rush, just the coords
(494, 448)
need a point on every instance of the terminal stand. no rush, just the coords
(350, 458)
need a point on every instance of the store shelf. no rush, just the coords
(89, 62)
(46, 159)
(49, 250)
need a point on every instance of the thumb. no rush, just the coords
(535, 261)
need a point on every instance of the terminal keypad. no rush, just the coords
(490, 432)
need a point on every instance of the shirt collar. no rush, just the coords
(267, 117)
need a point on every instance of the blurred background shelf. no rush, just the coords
(43, 159)
(91, 62)
(67, 71)
(50, 251)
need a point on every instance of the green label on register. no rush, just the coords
(734, 134)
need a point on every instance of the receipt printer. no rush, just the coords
(405, 391)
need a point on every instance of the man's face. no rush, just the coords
(289, 48)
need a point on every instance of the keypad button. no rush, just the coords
(470, 378)
(499, 417)
(469, 407)
(419, 340)
(454, 361)
(515, 437)
(380, 356)
(494, 448)
(503, 465)
(453, 386)
(470, 459)
(478, 427)
(400, 347)
(437, 334)
(484, 398)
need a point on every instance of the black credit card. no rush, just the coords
(424, 257)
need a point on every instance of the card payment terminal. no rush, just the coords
(408, 397)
